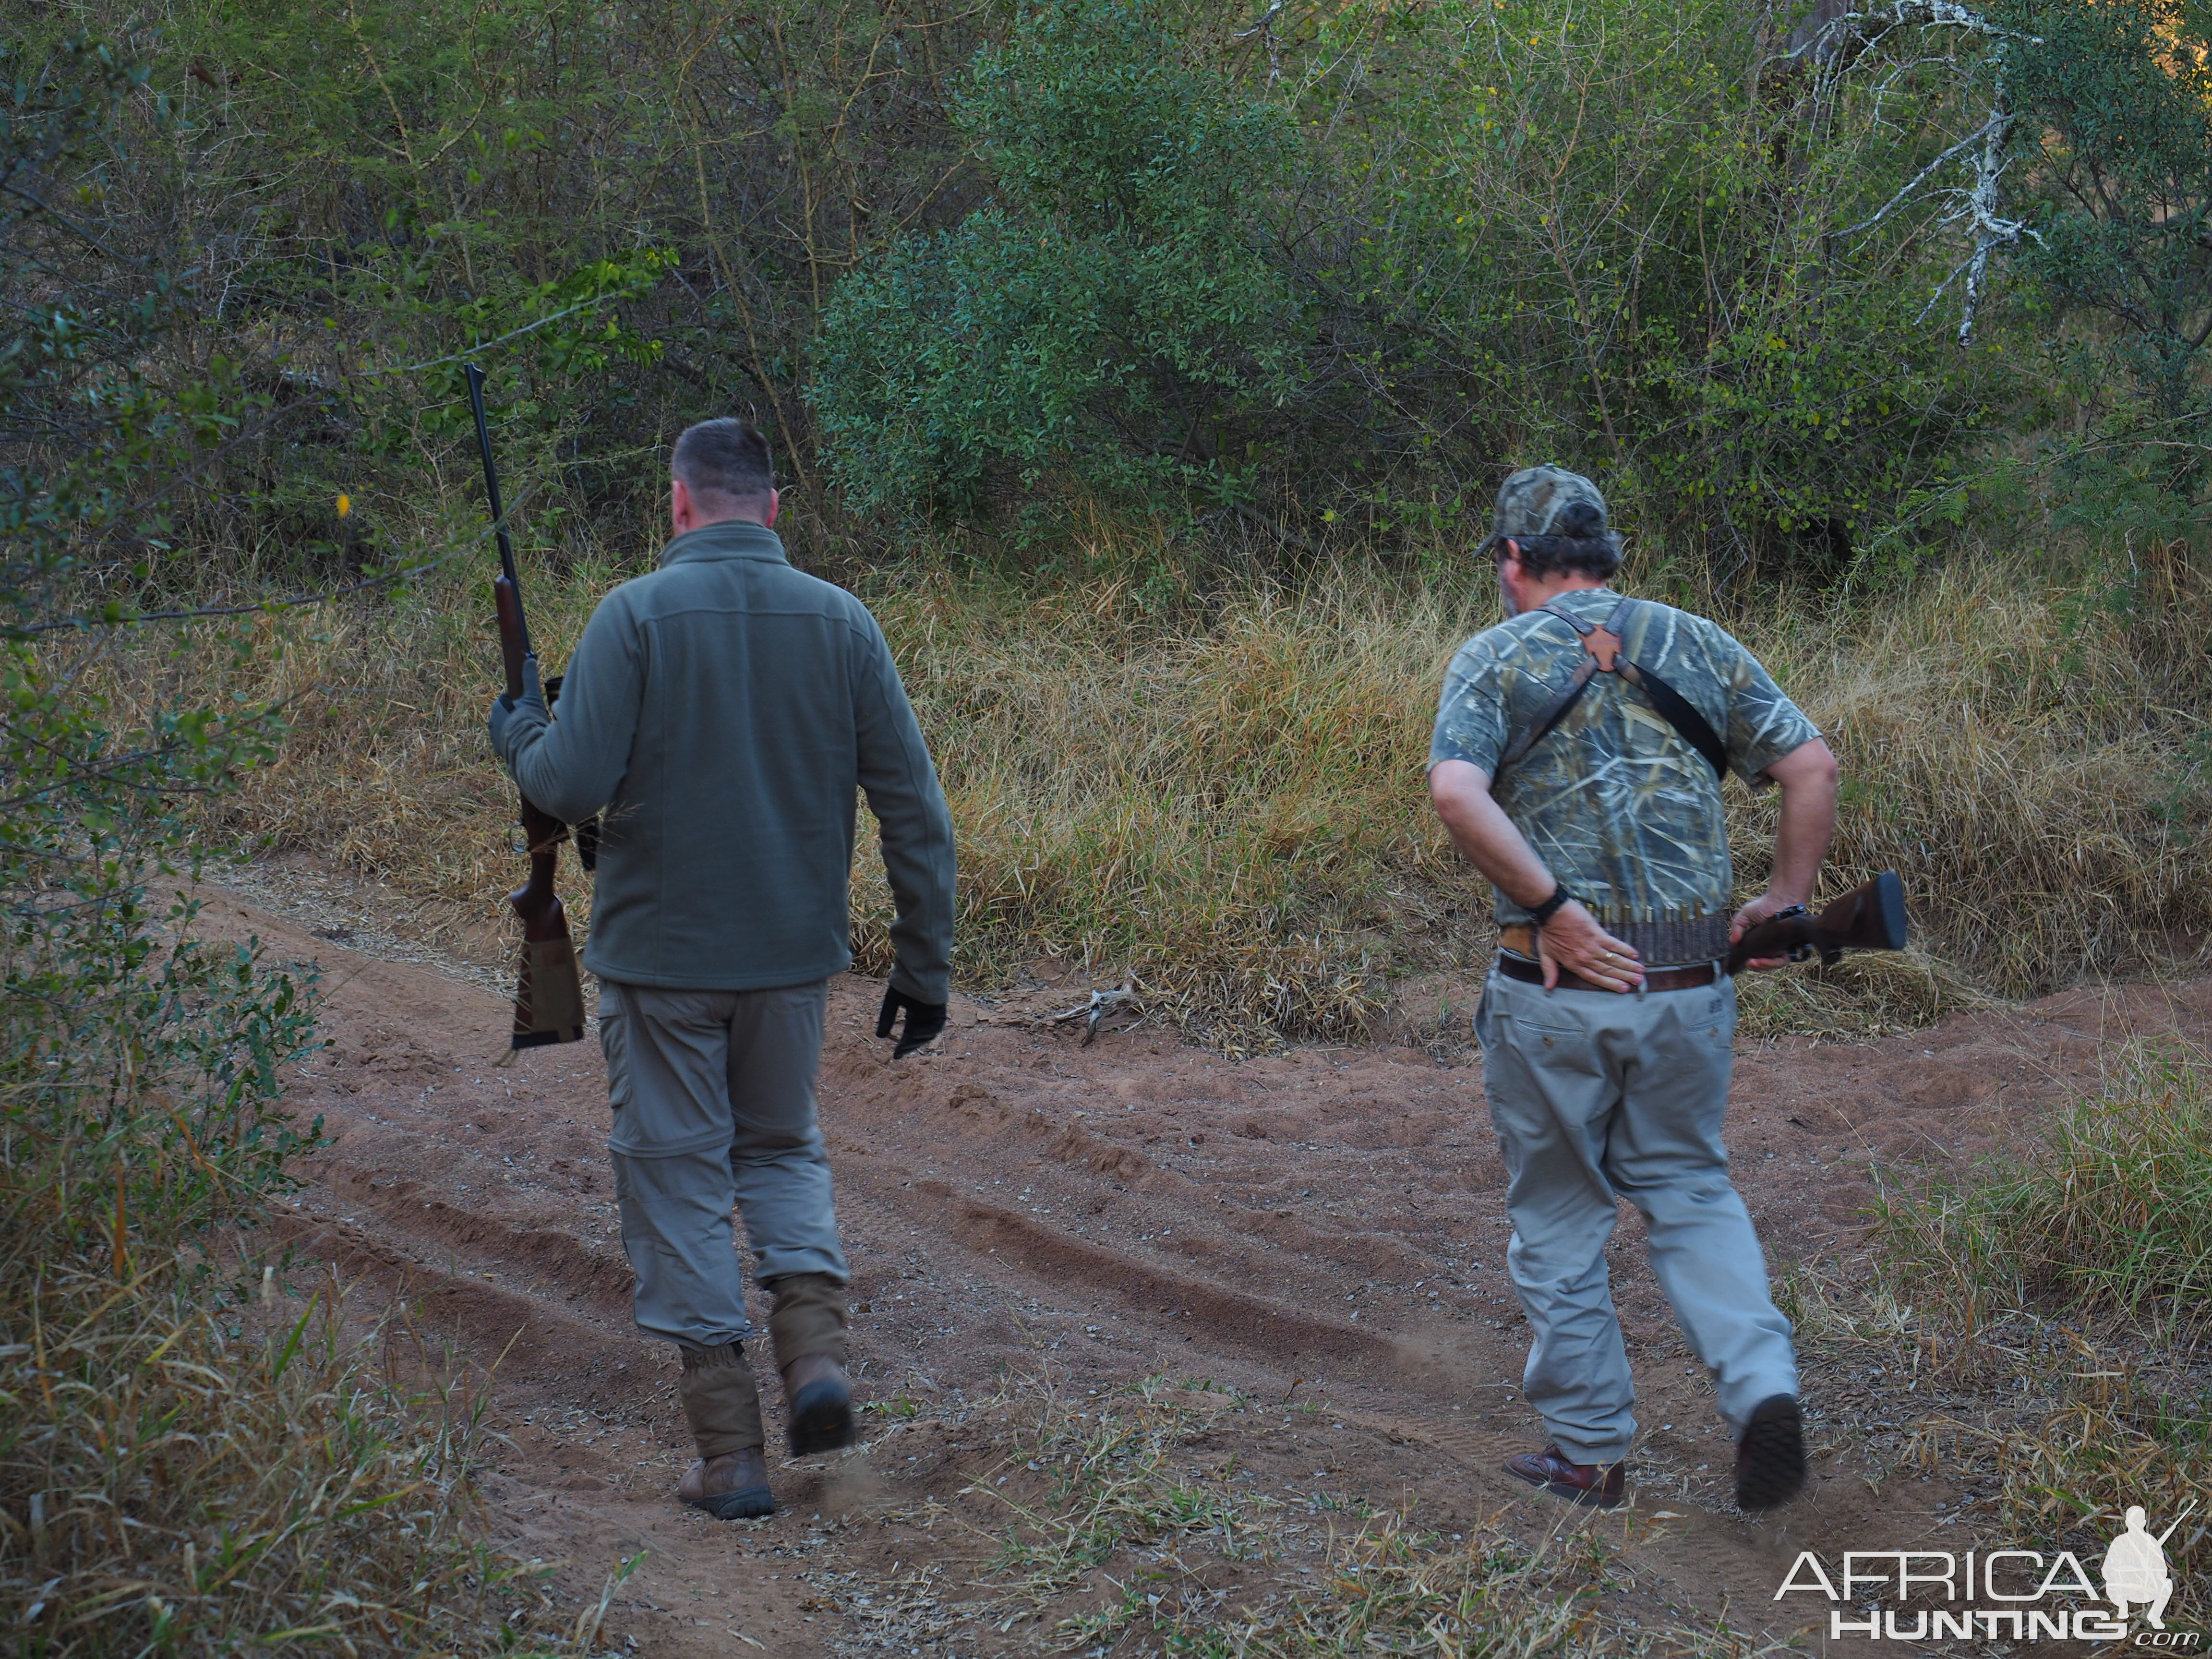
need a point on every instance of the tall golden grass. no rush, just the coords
(1225, 800)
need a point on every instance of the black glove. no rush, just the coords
(499, 723)
(925, 1021)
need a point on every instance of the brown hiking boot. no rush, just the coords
(821, 1403)
(1770, 1454)
(808, 1321)
(732, 1487)
(722, 1405)
(1593, 1485)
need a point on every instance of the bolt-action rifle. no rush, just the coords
(1868, 918)
(548, 993)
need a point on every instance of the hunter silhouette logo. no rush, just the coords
(2135, 1568)
(2010, 1593)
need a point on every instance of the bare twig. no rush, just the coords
(1265, 28)
(1923, 177)
(1841, 41)
(294, 602)
(1101, 1003)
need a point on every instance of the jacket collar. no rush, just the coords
(733, 538)
(1583, 600)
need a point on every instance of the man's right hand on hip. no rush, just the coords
(1572, 940)
(925, 1021)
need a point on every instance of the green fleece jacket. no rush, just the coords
(723, 712)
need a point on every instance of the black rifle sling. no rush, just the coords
(1681, 714)
(1551, 714)
(1677, 710)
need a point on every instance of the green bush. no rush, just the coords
(1472, 237)
(187, 1465)
(1111, 319)
(1311, 282)
(2115, 147)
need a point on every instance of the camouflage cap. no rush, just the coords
(1529, 503)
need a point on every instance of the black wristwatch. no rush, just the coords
(1540, 913)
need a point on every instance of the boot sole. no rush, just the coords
(1772, 1471)
(745, 1504)
(821, 1419)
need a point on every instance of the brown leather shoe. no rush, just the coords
(732, 1487)
(1770, 1454)
(1594, 1486)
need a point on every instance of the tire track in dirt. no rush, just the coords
(1322, 1228)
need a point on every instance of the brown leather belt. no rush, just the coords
(1655, 979)
(1700, 938)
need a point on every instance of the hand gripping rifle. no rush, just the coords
(549, 994)
(1868, 918)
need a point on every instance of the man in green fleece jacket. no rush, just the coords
(722, 713)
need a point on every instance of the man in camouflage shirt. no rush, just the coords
(1577, 761)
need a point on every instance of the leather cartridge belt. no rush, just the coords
(1655, 979)
(1701, 941)
(1700, 938)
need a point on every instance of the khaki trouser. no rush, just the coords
(713, 1094)
(1598, 1097)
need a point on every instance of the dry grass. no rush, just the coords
(2040, 1321)
(1126, 1530)
(193, 1459)
(198, 1480)
(2048, 1430)
(2107, 1216)
(1227, 803)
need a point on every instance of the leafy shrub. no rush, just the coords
(1468, 237)
(1112, 318)
(184, 1468)
(2116, 150)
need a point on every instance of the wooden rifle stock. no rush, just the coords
(548, 992)
(1868, 918)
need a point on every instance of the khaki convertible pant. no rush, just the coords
(1598, 1097)
(713, 1094)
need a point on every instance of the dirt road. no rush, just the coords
(1323, 1228)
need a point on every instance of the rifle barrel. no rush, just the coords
(475, 378)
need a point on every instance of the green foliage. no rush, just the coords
(173, 1479)
(2116, 147)
(1462, 237)
(88, 419)
(1112, 317)
(631, 217)
(1644, 244)
(98, 437)
(1318, 279)
(1092, 113)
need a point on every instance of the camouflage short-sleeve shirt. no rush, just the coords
(1622, 810)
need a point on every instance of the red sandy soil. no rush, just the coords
(1324, 1225)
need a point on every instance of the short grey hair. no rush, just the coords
(726, 457)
